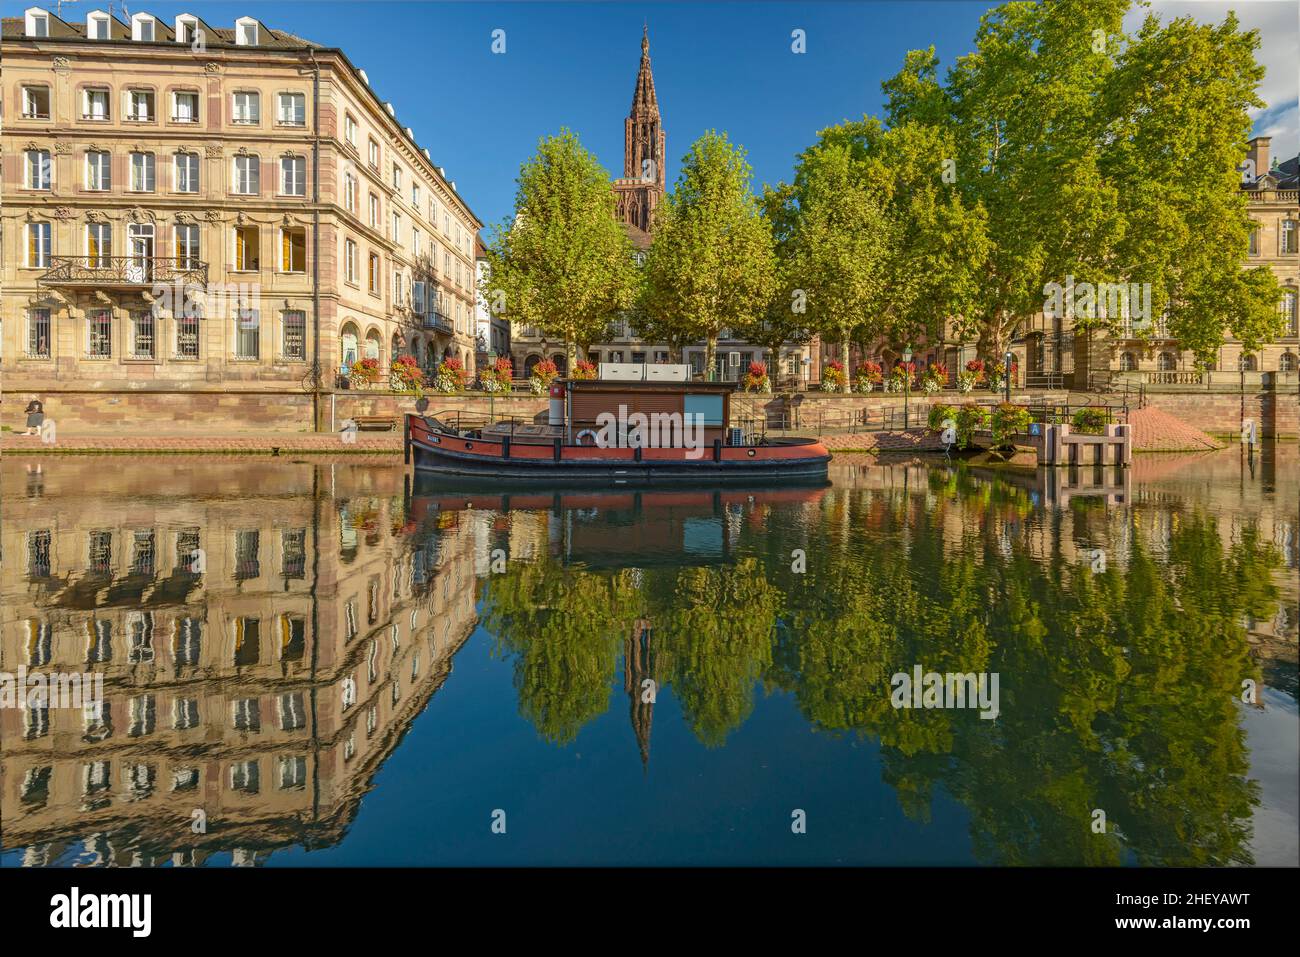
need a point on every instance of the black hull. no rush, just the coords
(616, 474)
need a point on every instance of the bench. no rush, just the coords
(379, 423)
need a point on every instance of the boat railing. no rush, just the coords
(462, 422)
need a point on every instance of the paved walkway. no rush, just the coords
(1158, 431)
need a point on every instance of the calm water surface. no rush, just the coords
(309, 663)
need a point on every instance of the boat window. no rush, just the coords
(708, 406)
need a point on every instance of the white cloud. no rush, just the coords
(1278, 23)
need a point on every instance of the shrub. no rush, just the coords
(939, 414)
(540, 380)
(497, 377)
(936, 377)
(1008, 420)
(756, 379)
(405, 374)
(971, 417)
(364, 372)
(451, 376)
(834, 377)
(1090, 421)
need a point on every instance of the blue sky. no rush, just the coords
(726, 66)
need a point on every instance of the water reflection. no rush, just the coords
(269, 633)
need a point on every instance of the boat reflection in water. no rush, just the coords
(640, 671)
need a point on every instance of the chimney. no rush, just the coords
(1257, 153)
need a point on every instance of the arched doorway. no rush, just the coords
(530, 363)
(561, 363)
(349, 346)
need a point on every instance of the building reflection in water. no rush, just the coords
(265, 633)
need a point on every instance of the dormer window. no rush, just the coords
(246, 32)
(97, 26)
(185, 28)
(38, 23)
(142, 28)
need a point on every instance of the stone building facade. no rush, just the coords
(197, 214)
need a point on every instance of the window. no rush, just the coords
(99, 333)
(248, 173)
(248, 327)
(142, 334)
(185, 107)
(294, 329)
(142, 28)
(36, 102)
(374, 211)
(293, 249)
(415, 196)
(293, 175)
(247, 108)
(417, 296)
(397, 287)
(374, 154)
(433, 212)
(99, 245)
(350, 260)
(397, 227)
(1246, 363)
(142, 170)
(94, 104)
(187, 339)
(350, 192)
(350, 130)
(415, 242)
(293, 109)
(246, 32)
(374, 274)
(39, 171)
(1288, 239)
(247, 253)
(1127, 362)
(139, 105)
(1288, 308)
(38, 24)
(38, 245)
(97, 27)
(187, 245)
(98, 170)
(1287, 362)
(38, 333)
(185, 29)
(1166, 362)
(187, 172)
(397, 177)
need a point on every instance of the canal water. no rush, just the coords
(313, 663)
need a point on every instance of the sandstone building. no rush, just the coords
(250, 167)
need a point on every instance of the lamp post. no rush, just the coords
(907, 383)
(1008, 359)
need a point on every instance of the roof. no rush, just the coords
(640, 238)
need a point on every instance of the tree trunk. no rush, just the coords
(844, 360)
(710, 356)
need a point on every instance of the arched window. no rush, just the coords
(1288, 308)
(349, 343)
(1127, 362)
(395, 347)
(561, 362)
(372, 344)
(530, 363)
(1287, 362)
(1246, 363)
(1166, 362)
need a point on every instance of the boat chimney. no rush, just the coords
(555, 414)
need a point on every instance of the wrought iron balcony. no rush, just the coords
(436, 320)
(122, 272)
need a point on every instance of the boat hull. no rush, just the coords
(436, 452)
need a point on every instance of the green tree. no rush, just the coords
(563, 263)
(711, 266)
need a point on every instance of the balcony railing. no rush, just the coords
(436, 320)
(122, 271)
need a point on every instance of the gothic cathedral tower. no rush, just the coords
(642, 185)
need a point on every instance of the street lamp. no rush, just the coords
(1009, 358)
(907, 382)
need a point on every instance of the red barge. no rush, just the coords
(648, 426)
